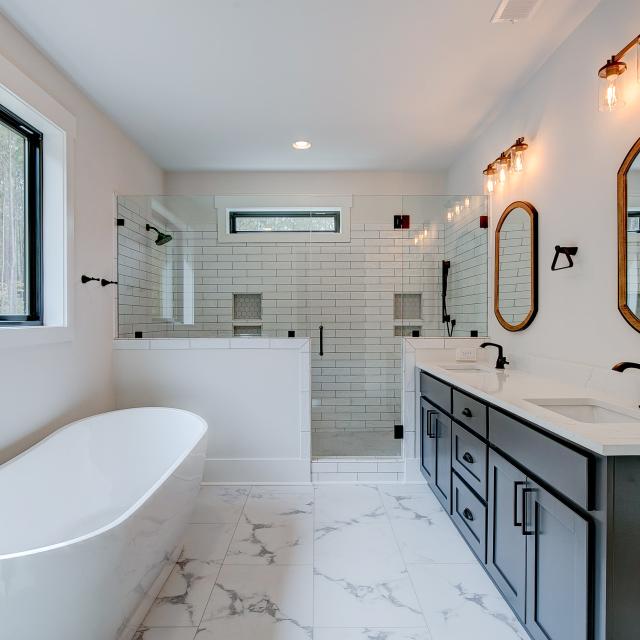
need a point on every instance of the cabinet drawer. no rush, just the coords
(469, 459)
(470, 516)
(470, 412)
(437, 392)
(564, 469)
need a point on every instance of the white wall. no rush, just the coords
(43, 387)
(305, 182)
(575, 152)
(253, 393)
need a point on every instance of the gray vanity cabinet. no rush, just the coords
(557, 568)
(507, 544)
(524, 502)
(427, 443)
(537, 554)
(436, 451)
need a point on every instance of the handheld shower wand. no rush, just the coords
(446, 318)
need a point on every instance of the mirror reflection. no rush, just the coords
(515, 303)
(633, 237)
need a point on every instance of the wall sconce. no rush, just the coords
(502, 165)
(509, 161)
(490, 180)
(610, 92)
(517, 153)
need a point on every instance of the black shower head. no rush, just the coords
(162, 238)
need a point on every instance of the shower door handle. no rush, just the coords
(321, 340)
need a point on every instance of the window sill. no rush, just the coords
(23, 336)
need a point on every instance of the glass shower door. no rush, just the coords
(356, 323)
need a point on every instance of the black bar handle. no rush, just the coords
(104, 282)
(524, 511)
(467, 412)
(467, 514)
(430, 413)
(84, 279)
(517, 484)
(321, 340)
(434, 432)
(467, 457)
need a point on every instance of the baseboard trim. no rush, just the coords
(257, 471)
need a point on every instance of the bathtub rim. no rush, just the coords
(135, 506)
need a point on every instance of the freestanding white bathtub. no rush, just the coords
(91, 519)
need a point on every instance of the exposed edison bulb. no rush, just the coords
(518, 151)
(449, 215)
(490, 182)
(467, 202)
(457, 209)
(611, 93)
(503, 168)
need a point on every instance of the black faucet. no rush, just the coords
(622, 366)
(502, 360)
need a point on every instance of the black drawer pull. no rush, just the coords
(467, 457)
(430, 432)
(524, 512)
(466, 412)
(467, 514)
(517, 484)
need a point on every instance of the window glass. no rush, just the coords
(284, 221)
(13, 248)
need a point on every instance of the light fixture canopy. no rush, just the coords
(301, 145)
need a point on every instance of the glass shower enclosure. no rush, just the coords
(353, 274)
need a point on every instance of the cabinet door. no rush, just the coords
(506, 542)
(442, 479)
(427, 441)
(557, 576)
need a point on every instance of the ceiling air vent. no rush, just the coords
(515, 10)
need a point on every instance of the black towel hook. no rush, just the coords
(568, 252)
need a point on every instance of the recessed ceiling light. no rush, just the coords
(301, 145)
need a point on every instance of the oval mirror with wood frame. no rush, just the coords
(629, 237)
(515, 297)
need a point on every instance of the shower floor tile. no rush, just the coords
(353, 444)
(349, 562)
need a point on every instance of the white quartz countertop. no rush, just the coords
(511, 389)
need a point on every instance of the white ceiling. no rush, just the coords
(229, 84)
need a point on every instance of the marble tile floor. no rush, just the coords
(347, 562)
(349, 444)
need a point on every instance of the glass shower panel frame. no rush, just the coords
(356, 382)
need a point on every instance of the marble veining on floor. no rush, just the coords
(330, 562)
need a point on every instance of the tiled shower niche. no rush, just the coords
(366, 293)
(247, 306)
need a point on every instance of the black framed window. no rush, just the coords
(20, 221)
(285, 221)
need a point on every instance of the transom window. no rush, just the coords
(20, 221)
(284, 221)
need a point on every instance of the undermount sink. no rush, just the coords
(587, 410)
(465, 367)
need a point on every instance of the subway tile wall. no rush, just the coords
(186, 289)
(515, 268)
(466, 246)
